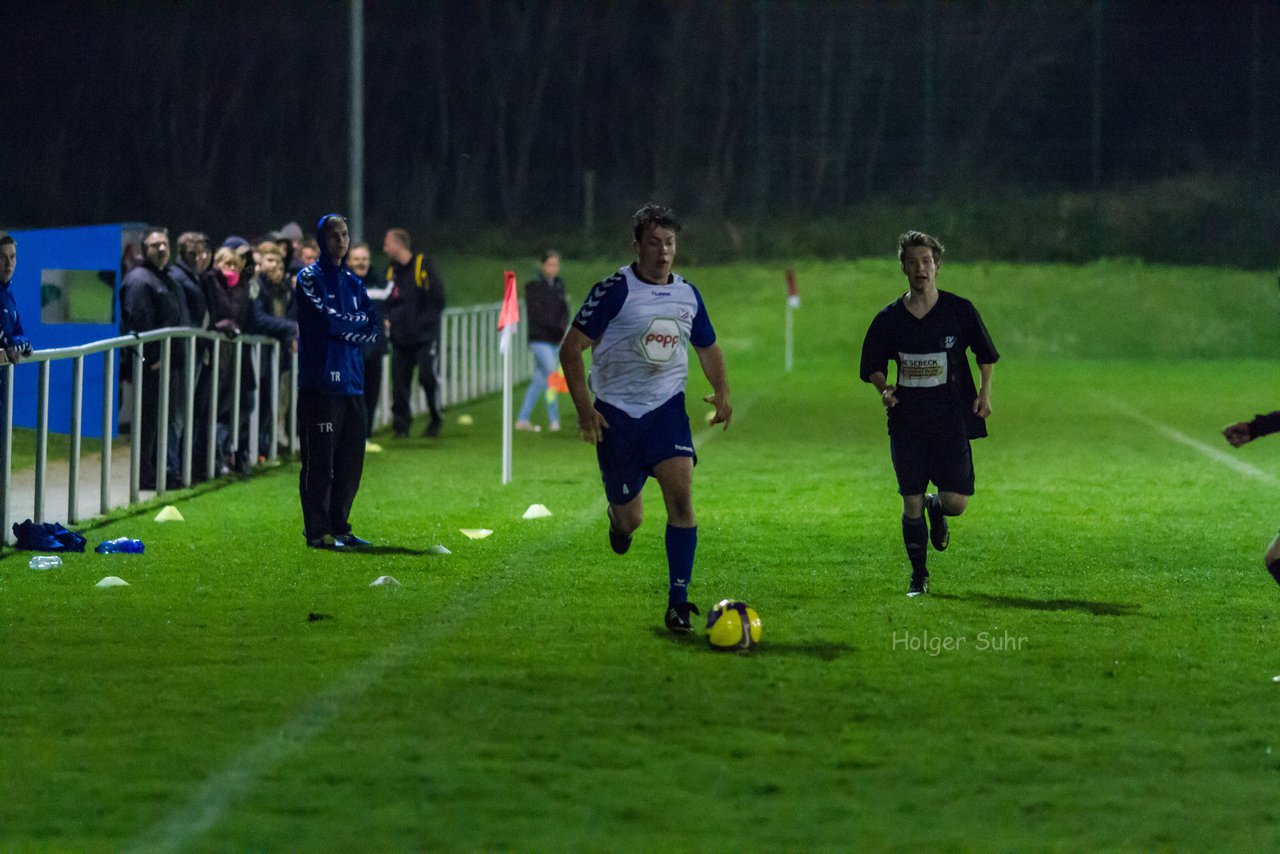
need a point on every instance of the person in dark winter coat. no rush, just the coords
(360, 262)
(276, 315)
(150, 298)
(231, 312)
(414, 310)
(188, 269)
(548, 311)
(13, 340)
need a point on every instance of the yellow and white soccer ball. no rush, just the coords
(733, 625)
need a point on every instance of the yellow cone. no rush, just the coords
(169, 514)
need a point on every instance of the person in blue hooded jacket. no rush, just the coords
(12, 339)
(333, 325)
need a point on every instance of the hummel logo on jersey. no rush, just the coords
(593, 300)
(684, 448)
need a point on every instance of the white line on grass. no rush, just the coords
(1215, 454)
(182, 827)
(185, 825)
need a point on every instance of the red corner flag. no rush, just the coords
(510, 314)
(510, 301)
(793, 293)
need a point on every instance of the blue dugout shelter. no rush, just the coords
(66, 287)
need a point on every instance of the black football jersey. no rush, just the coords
(934, 382)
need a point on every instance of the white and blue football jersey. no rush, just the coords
(642, 333)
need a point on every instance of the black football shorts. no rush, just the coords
(941, 456)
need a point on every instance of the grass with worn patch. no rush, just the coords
(1093, 667)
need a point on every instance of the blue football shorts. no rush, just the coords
(633, 446)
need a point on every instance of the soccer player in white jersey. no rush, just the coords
(639, 323)
(934, 409)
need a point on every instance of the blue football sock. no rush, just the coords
(681, 544)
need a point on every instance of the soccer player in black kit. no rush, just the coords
(1242, 433)
(933, 408)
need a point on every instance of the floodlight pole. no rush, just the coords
(355, 189)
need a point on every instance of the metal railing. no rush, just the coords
(468, 366)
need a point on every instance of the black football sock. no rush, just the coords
(915, 535)
(1273, 567)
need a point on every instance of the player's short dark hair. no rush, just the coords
(910, 239)
(402, 237)
(653, 216)
(6, 238)
(361, 245)
(548, 254)
(154, 229)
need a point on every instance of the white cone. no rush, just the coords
(384, 581)
(438, 550)
(112, 581)
(536, 511)
(475, 533)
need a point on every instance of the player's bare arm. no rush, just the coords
(881, 382)
(982, 405)
(591, 424)
(712, 361)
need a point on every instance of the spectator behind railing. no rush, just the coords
(276, 315)
(12, 339)
(226, 292)
(195, 254)
(359, 261)
(150, 298)
(289, 237)
(308, 252)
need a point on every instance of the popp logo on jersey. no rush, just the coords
(661, 340)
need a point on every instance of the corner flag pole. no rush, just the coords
(507, 320)
(793, 302)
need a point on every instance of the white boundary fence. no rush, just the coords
(468, 363)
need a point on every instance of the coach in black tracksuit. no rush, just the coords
(414, 310)
(333, 325)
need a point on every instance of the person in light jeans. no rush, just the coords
(548, 311)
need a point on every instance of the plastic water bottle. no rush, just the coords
(45, 562)
(120, 546)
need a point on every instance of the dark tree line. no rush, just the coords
(233, 116)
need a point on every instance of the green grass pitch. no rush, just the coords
(1093, 668)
